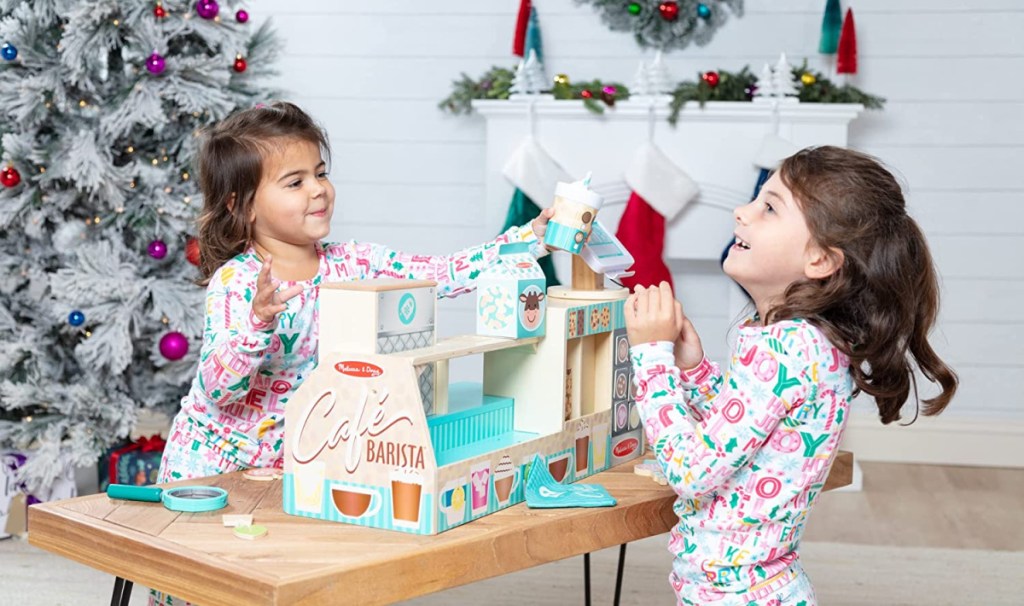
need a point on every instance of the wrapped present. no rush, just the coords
(103, 465)
(137, 463)
(15, 497)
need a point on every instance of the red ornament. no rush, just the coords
(586, 94)
(669, 10)
(10, 177)
(192, 251)
(159, 11)
(711, 78)
(846, 57)
(240, 64)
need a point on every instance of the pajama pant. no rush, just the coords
(797, 591)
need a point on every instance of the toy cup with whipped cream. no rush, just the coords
(576, 207)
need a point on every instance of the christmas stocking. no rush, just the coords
(660, 191)
(534, 173)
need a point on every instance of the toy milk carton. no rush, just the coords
(510, 295)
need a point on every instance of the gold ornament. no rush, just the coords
(808, 79)
(562, 79)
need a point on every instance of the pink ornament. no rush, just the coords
(156, 64)
(157, 249)
(609, 90)
(207, 9)
(173, 346)
(241, 16)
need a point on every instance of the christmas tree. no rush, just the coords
(102, 102)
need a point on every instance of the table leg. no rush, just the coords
(122, 592)
(618, 575)
(586, 579)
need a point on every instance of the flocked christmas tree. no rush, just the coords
(99, 316)
(667, 24)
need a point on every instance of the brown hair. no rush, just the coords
(230, 167)
(879, 307)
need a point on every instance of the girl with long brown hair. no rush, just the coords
(845, 295)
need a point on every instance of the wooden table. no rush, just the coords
(307, 561)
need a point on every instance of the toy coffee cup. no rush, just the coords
(576, 208)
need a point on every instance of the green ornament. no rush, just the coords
(634, 8)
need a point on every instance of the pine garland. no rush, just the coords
(496, 83)
(739, 86)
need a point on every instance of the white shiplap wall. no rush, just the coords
(410, 176)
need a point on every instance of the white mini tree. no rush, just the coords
(534, 70)
(659, 82)
(520, 81)
(765, 83)
(785, 83)
(641, 85)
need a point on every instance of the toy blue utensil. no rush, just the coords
(542, 491)
(182, 498)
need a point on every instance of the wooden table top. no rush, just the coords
(308, 561)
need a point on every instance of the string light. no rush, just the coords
(82, 103)
(167, 190)
(130, 149)
(184, 176)
(188, 199)
(155, 161)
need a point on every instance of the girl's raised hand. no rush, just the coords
(268, 302)
(653, 314)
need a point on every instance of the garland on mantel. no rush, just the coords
(496, 83)
(723, 85)
(719, 85)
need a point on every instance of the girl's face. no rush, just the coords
(295, 200)
(773, 246)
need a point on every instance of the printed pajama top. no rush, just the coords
(747, 452)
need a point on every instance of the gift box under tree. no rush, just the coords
(137, 463)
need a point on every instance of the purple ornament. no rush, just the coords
(157, 249)
(241, 16)
(173, 346)
(155, 64)
(207, 9)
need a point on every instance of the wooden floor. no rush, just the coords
(925, 506)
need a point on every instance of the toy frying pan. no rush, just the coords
(182, 498)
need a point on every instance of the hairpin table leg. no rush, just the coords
(618, 575)
(586, 579)
(122, 592)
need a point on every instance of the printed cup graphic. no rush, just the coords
(582, 448)
(406, 488)
(621, 383)
(309, 487)
(621, 416)
(576, 208)
(480, 486)
(506, 479)
(453, 501)
(355, 501)
(621, 350)
(558, 466)
(600, 438)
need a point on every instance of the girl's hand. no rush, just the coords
(689, 352)
(540, 224)
(268, 302)
(653, 314)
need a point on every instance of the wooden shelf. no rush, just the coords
(462, 345)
